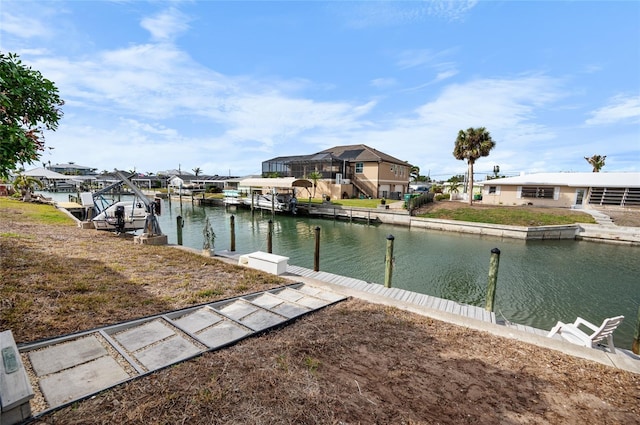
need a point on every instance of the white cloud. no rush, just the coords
(387, 13)
(384, 82)
(23, 25)
(166, 25)
(506, 107)
(445, 75)
(451, 9)
(149, 104)
(619, 108)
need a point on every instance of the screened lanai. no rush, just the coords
(301, 166)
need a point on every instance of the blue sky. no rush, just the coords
(223, 86)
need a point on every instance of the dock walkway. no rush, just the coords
(460, 314)
(422, 300)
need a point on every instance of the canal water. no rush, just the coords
(539, 282)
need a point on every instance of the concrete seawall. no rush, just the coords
(586, 232)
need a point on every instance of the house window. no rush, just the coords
(538, 192)
(493, 190)
(359, 167)
(615, 196)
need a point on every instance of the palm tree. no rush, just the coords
(414, 173)
(197, 171)
(597, 162)
(454, 186)
(26, 184)
(472, 144)
(314, 176)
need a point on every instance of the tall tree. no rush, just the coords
(414, 173)
(472, 144)
(26, 185)
(29, 103)
(597, 162)
(314, 176)
(197, 171)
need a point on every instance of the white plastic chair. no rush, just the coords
(573, 334)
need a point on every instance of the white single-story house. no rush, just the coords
(565, 190)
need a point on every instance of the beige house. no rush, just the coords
(565, 190)
(346, 171)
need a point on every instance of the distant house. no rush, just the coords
(72, 169)
(200, 183)
(570, 190)
(347, 171)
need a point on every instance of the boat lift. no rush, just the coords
(151, 226)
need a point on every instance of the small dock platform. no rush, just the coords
(402, 295)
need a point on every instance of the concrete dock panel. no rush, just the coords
(141, 336)
(167, 352)
(81, 380)
(65, 355)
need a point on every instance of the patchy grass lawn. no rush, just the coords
(516, 216)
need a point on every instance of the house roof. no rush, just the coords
(361, 153)
(43, 173)
(71, 166)
(630, 179)
(174, 172)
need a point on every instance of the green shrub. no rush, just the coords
(415, 203)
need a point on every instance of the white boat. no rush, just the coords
(268, 202)
(231, 198)
(122, 216)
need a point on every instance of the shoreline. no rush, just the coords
(356, 362)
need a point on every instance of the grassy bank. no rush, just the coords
(516, 216)
(58, 278)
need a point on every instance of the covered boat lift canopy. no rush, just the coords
(43, 173)
(278, 182)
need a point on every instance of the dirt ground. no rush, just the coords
(352, 363)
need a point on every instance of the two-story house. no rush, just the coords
(346, 171)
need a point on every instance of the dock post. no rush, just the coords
(635, 347)
(233, 233)
(388, 262)
(316, 253)
(179, 226)
(270, 238)
(494, 262)
(273, 203)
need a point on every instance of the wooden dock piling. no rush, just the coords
(233, 233)
(388, 270)
(494, 262)
(316, 252)
(179, 226)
